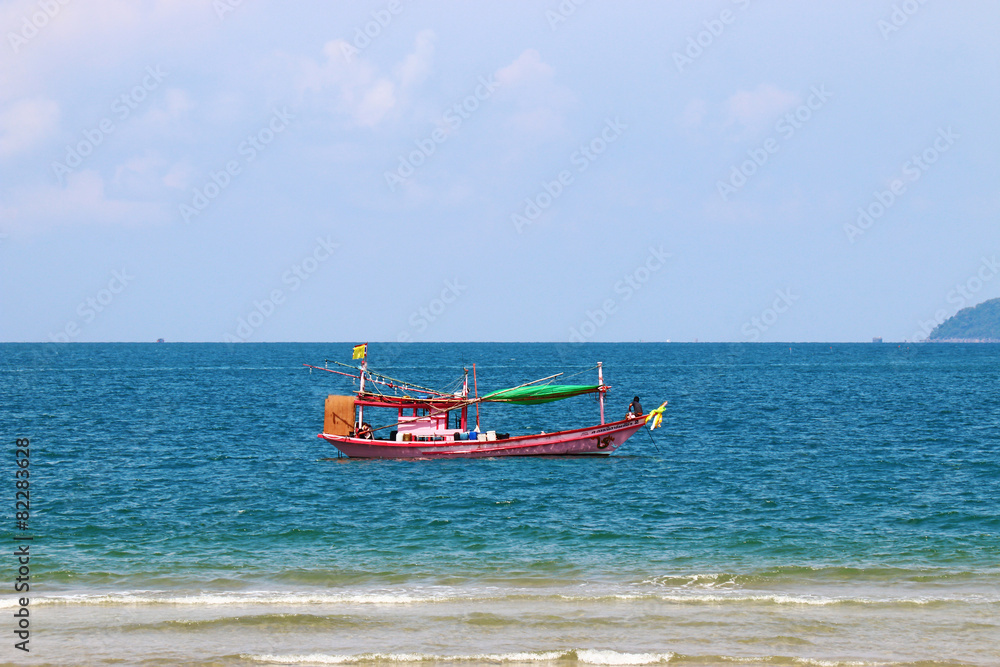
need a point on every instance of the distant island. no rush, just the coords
(976, 324)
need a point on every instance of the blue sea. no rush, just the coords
(802, 504)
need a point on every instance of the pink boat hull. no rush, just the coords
(599, 440)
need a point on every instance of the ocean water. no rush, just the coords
(801, 505)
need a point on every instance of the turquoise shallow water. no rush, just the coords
(826, 503)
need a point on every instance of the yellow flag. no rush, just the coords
(360, 351)
(655, 418)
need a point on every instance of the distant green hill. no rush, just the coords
(978, 323)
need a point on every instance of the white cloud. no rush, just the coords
(540, 102)
(416, 66)
(82, 201)
(351, 85)
(694, 114)
(141, 176)
(527, 68)
(26, 122)
(176, 103)
(750, 111)
(89, 26)
(178, 176)
(375, 103)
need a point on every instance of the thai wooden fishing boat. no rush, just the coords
(434, 424)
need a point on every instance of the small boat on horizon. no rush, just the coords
(433, 424)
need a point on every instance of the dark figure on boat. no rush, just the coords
(635, 408)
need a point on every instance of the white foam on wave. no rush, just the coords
(782, 599)
(812, 662)
(599, 658)
(403, 597)
(688, 581)
(228, 599)
(324, 659)
(583, 656)
(596, 657)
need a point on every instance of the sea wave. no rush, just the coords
(264, 621)
(225, 599)
(743, 597)
(325, 598)
(597, 657)
(805, 575)
(579, 656)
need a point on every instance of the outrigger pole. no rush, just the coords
(330, 370)
(378, 378)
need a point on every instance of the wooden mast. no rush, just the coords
(464, 425)
(600, 386)
(475, 386)
(361, 389)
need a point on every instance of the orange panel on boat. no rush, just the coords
(339, 418)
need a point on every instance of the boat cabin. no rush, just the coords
(365, 416)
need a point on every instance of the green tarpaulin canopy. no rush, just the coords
(543, 394)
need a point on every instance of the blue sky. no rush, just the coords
(518, 171)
